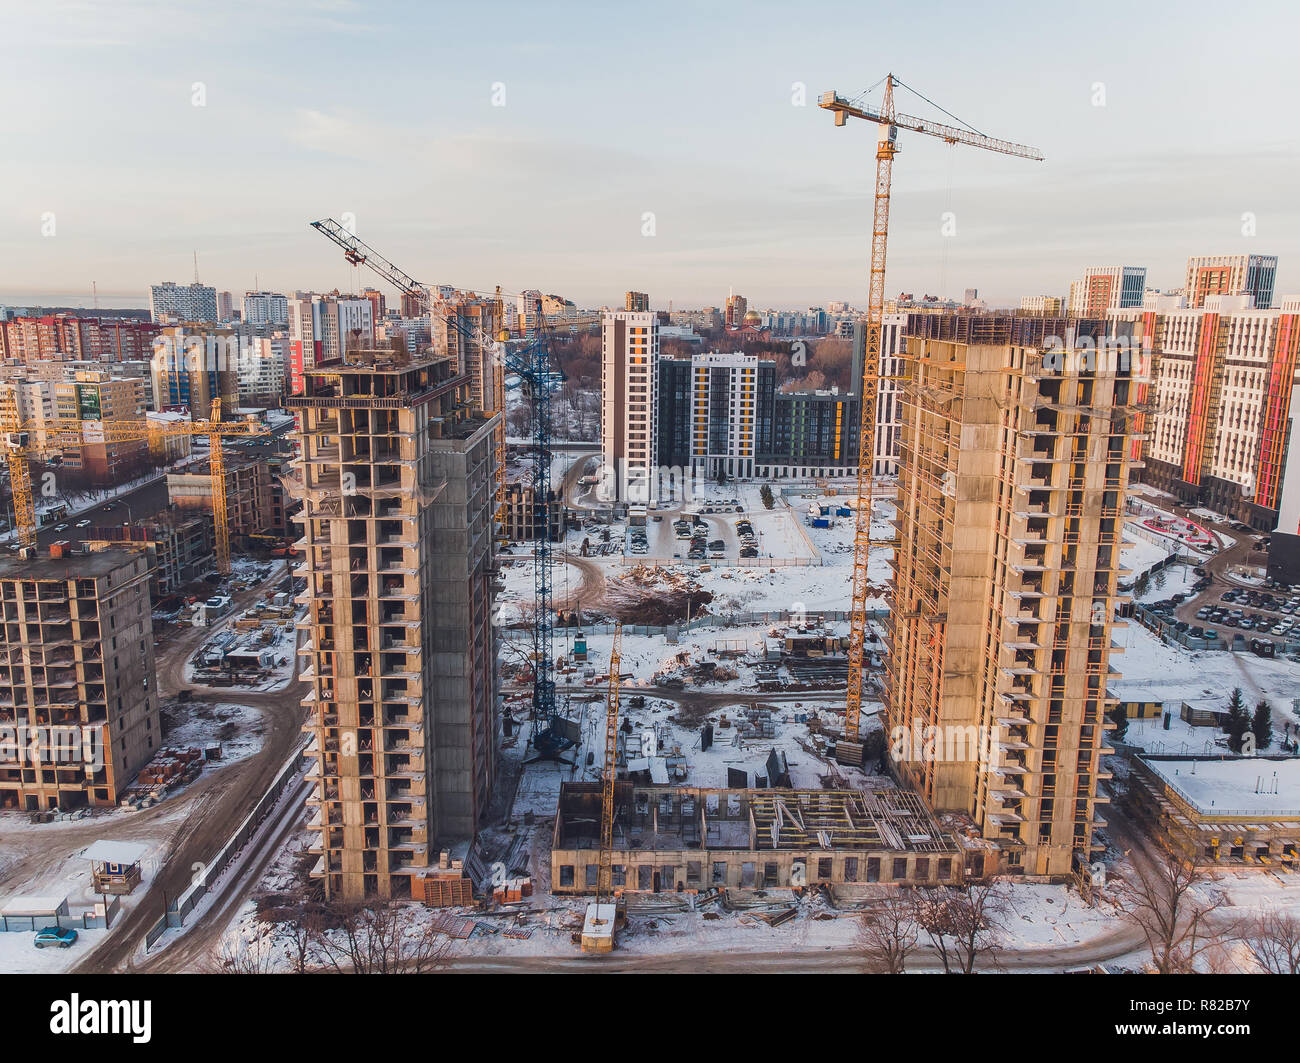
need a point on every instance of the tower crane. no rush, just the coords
(599, 911)
(17, 439)
(529, 360)
(889, 121)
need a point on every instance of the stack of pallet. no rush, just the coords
(513, 890)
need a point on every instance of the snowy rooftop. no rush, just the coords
(1248, 786)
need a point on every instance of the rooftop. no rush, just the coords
(70, 566)
(1248, 786)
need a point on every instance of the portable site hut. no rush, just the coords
(30, 907)
(115, 866)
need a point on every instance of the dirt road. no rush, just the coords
(215, 805)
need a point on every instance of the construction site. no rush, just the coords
(674, 839)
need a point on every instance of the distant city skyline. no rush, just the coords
(535, 160)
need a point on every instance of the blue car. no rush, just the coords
(55, 937)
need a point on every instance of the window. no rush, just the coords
(566, 874)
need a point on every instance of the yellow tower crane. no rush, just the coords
(601, 914)
(17, 444)
(849, 749)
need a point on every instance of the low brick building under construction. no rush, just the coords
(675, 838)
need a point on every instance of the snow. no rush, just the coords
(1250, 785)
(18, 954)
(1154, 671)
(238, 729)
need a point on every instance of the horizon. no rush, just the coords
(511, 164)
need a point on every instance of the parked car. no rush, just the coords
(55, 937)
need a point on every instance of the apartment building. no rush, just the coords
(179, 547)
(191, 368)
(629, 347)
(636, 302)
(467, 332)
(67, 337)
(256, 501)
(1103, 288)
(76, 676)
(1012, 475)
(324, 328)
(267, 308)
(261, 371)
(396, 478)
(885, 461)
(1252, 275)
(172, 302)
(724, 413)
(1220, 401)
(735, 309)
(98, 400)
(33, 401)
(1050, 305)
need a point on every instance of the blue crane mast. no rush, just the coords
(530, 361)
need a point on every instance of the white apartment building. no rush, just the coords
(1103, 288)
(35, 403)
(261, 371)
(724, 393)
(629, 398)
(892, 343)
(1251, 275)
(1048, 305)
(170, 301)
(266, 308)
(1220, 402)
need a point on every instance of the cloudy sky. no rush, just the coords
(140, 132)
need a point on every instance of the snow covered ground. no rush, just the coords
(62, 872)
(239, 729)
(1153, 671)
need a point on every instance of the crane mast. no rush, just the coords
(531, 362)
(605, 874)
(17, 439)
(849, 750)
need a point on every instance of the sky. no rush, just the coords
(676, 149)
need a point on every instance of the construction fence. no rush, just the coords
(98, 917)
(182, 906)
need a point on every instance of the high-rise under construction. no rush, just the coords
(396, 476)
(1014, 461)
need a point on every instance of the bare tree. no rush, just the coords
(237, 956)
(962, 924)
(1273, 939)
(378, 937)
(888, 933)
(1163, 901)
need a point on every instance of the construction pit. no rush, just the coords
(691, 839)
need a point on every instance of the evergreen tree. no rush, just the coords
(1119, 714)
(1261, 725)
(1238, 721)
(765, 492)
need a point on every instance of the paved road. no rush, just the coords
(143, 501)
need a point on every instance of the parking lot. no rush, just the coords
(1266, 613)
